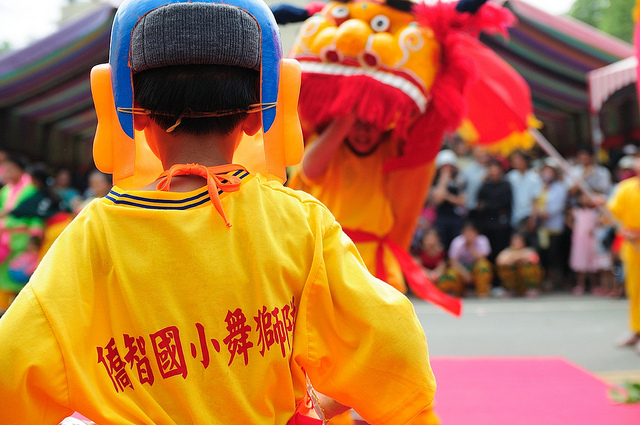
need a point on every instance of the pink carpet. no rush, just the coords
(524, 391)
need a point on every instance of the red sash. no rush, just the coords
(416, 278)
(300, 419)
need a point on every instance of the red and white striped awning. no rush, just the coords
(605, 81)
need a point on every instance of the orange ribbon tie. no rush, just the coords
(217, 179)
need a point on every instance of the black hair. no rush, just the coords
(470, 224)
(497, 162)
(39, 174)
(587, 149)
(521, 154)
(197, 88)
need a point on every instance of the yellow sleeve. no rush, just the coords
(364, 344)
(33, 385)
(616, 203)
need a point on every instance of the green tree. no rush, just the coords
(611, 16)
(5, 46)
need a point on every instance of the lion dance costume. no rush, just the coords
(404, 68)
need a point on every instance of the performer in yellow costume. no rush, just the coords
(381, 83)
(210, 295)
(624, 205)
(391, 77)
(343, 167)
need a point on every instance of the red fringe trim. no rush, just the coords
(324, 97)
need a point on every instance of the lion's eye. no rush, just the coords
(380, 23)
(340, 12)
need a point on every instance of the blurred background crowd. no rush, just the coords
(491, 225)
(521, 226)
(36, 204)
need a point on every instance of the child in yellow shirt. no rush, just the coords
(211, 295)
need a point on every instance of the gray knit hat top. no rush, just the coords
(193, 34)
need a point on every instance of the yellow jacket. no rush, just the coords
(148, 310)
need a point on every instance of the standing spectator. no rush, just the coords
(596, 176)
(493, 216)
(62, 187)
(518, 267)
(462, 151)
(468, 257)
(99, 186)
(626, 167)
(582, 259)
(551, 207)
(448, 197)
(474, 175)
(624, 206)
(14, 232)
(44, 205)
(526, 187)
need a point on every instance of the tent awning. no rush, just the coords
(554, 55)
(605, 81)
(45, 99)
(45, 96)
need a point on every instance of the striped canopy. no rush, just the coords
(605, 81)
(554, 55)
(46, 109)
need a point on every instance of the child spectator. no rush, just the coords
(468, 256)
(518, 268)
(22, 266)
(584, 220)
(211, 295)
(432, 255)
(433, 259)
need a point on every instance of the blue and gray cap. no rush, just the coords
(195, 33)
(157, 33)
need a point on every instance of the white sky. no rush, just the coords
(24, 21)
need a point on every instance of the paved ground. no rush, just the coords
(579, 329)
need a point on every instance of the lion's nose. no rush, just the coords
(351, 37)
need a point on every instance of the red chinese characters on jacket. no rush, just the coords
(162, 353)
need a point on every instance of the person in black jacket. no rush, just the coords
(494, 209)
(44, 203)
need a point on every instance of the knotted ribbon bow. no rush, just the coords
(217, 179)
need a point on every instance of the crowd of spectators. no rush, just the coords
(520, 226)
(36, 204)
(490, 226)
